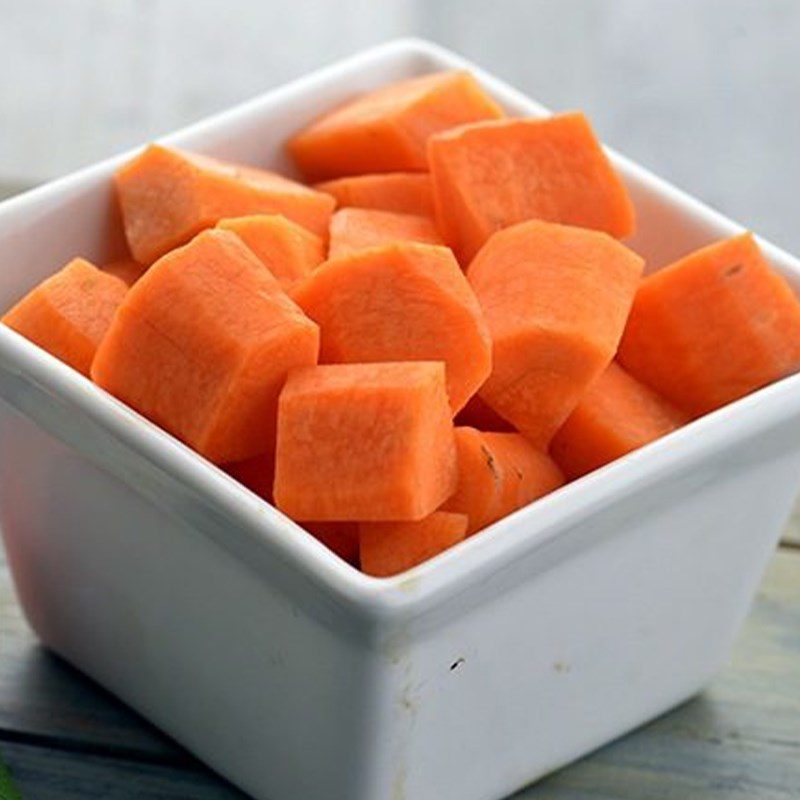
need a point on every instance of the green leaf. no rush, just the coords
(7, 790)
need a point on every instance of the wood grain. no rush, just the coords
(45, 774)
(63, 737)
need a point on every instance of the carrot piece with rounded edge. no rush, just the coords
(556, 299)
(126, 269)
(388, 548)
(497, 474)
(364, 442)
(288, 250)
(529, 473)
(617, 414)
(490, 175)
(386, 130)
(69, 313)
(477, 414)
(256, 473)
(400, 302)
(401, 192)
(341, 537)
(713, 327)
(202, 344)
(480, 480)
(355, 229)
(167, 196)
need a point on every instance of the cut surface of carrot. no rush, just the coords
(364, 442)
(491, 175)
(386, 130)
(288, 250)
(402, 192)
(168, 195)
(497, 474)
(354, 229)
(400, 302)
(69, 313)
(556, 299)
(616, 415)
(389, 548)
(126, 269)
(202, 344)
(713, 327)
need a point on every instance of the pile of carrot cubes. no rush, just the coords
(439, 327)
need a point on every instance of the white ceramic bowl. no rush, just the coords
(295, 676)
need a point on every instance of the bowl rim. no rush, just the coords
(473, 561)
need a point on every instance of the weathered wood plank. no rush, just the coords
(44, 774)
(738, 741)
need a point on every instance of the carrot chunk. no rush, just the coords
(168, 195)
(617, 414)
(341, 537)
(497, 474)
(402, 192)
(713, 327)
(202, 344)
(400, 302)
(364, 442)
(477, 414)
(387, 129)
(555, 299)
(355, 229)
(491, 175)
(126, 269)
(288, 250)
(256, 473)
(69, 313)
(388, 548)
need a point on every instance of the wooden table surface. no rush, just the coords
(61, 736)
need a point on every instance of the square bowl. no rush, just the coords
(294, 675)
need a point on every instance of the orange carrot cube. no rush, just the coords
(202, 345)
(364, 442)
(69, 313)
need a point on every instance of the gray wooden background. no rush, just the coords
(706, 92)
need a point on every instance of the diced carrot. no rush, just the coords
(69, 313)
(617, 414)
(555, 299)
(388, 548)
(490, 175)
(402, 192)
(497, 474)
(477, 414)
(387, 129)
(168, 195)
(288, 250)
(202, 344)
(713, 327)
(400, 302)
(126, 269)
(341, 537)
(364, 442)
(355, 229)
(256, 473)
(529, 473)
